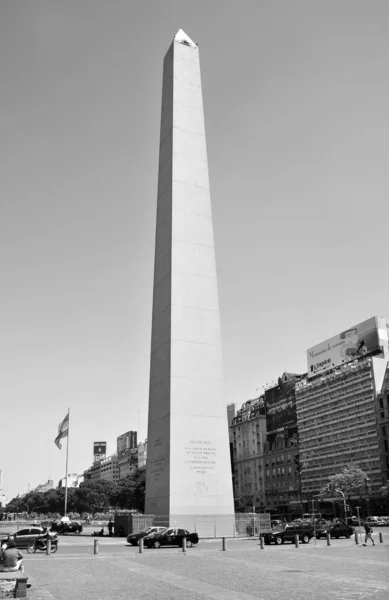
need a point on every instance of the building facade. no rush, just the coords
(45, 487)
(281, 476)
(107, 469)
(338, 407)
(248, 430)
(383, 426)
(74, 480)
(127, 441)
(142, 454)
(127, 453)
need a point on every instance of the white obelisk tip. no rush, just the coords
(182, 38)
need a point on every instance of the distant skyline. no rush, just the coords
(296, 99)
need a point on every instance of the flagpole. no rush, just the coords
(67, 457)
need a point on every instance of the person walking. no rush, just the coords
(368, 534)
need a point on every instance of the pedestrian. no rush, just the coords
(368, 533)
(110, 527)
(11, 559)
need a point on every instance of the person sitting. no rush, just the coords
(100, 533)
(11, 559)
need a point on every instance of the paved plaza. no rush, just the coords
(341, 571)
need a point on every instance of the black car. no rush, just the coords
(134, 538)
(25, 537)
(171, 537)
(336, 530)
(288, 532)
(67, 527)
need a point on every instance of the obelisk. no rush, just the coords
(188, 472)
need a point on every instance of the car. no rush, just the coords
(171, 537)
(385, 520)
(336, 530)
(134, 538)
(65, 527)
(25, 537)
(375, 521)
(288, 532)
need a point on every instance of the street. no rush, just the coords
(342, 571)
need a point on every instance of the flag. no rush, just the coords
(63, 431)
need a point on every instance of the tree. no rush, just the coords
(139, 495)
(92, 496)
(130, 492)
(350, 481)
(384, 490)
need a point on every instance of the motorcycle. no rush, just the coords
(41, 544)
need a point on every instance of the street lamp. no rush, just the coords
(344, 502)
(359, 520)
(367, 489)
(313, 514)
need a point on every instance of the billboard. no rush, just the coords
(99, 448)
(355, 342)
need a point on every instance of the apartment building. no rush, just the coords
(337, 406)
(248, 429)
(383, 426)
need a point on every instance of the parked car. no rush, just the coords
(385, 520)
(171, 537)
(375, 521)
(352, 521)
(288, 532)
(66, 527)
(336, 530)
(134, 538)
(25, 537)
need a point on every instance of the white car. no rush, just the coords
(377, 521)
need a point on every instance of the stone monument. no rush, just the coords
(188, 471)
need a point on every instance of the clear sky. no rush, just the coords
(296, 98)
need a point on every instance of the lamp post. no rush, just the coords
(367, 488)
(313, 514)
(344, 502)
(359, 520)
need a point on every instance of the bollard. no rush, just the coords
(328, 539)
(381, 538)
(141, 545)
(96, 547)
(48, 547)
(184, 545)
(296, 541)
(224, 544)
(261, 541)
(356, 538)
